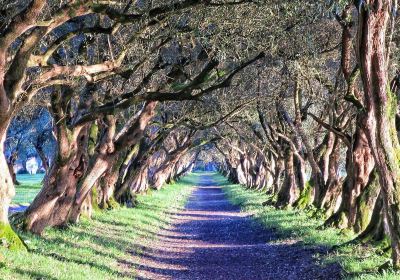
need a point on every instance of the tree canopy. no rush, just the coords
(298, 99)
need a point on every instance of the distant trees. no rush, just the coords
(296, 98)
(329, 114)
(90, 63)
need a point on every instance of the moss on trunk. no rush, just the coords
(10, 239)
(95, 194)
(306, 196)
(366, 202)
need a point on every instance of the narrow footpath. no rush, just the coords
(212, 239)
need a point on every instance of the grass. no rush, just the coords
(28, 189)
(28, 179)
(100, 248)
(358, 262)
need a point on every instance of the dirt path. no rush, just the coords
(211, 239)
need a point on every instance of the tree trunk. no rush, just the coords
(333, 185)
(279, 168)
(366, 202)
(375, 231)
(140, 180)
(359, 166)
(129, 172)
(288, 193)
(44, 159)
(381, 108)
(107, 186)
(11, 162)
(52, 205)
(109, 151)
(125, 170)
(7, 192)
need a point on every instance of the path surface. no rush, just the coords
(212, 239)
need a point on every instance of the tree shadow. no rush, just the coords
(33, 274)
(211, 239)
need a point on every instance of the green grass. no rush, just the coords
(358, 262)
(28, 179)
(97, 248)
(28, 189)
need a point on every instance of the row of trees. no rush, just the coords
(297, 99)
(327, 135)
(108, 74)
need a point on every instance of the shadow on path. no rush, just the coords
(212, 239)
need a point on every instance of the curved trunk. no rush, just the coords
(366, 203)
(136, 181)
(140, 182)
(287, 194)
(9, 238)
(333, 185)
(123, 189)
(125, 170)
(375, 230)
(359, 166)
(107, 186)
(11, 162)
(324, 162)
(232, 175)
(279, 168)
(160, 177)
(163, 172)
(102, 163)
(43, 158)
(381, 108)
(110, 148)
(52, 205)
(269, 178)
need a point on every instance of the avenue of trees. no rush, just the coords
(298, 99)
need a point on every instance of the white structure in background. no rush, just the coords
(32, 165)
(18, 167)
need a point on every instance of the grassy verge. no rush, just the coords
(28, 189)
(100, 248)
(359, 262)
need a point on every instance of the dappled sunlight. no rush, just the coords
(101, 248)
(212, 239)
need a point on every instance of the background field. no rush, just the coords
(30, 186)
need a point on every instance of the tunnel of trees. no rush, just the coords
(297, 99)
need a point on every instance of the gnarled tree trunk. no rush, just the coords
(288, 193)
(381, 109)
(111, 146)
(359, 166)
(52, 205)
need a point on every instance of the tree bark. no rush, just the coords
(359, 166)
(52, 205)
(381, 108)
(7, 192)
(129, 136)
(11, 162)
(333, 185)
(43, 157)
(288, 193)
(163, 172)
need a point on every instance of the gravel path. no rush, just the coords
(212, 239)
